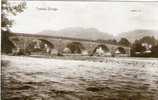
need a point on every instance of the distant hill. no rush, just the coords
(94, 34)
(78, 32)
(138, 34)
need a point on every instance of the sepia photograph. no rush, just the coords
(79, 50)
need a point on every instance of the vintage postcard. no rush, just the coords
(79, 50)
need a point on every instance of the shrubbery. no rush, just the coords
(145, 47)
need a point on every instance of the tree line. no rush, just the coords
(144, 47)
(122, 41)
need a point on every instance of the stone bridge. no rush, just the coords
(22, 40)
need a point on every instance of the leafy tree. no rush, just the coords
(124, 42)
(8, 9)
(137, 47)
(75, 47)
(148, 40)
(155, 51)
(122, 50)
(6, 44)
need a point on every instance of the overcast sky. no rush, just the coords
(109, 17)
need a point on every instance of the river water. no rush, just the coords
(29, 78)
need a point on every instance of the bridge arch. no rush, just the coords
(120, 50)
(14, 42)
(100, 49)
(48, 43)
(75, 47)
(40, 45)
